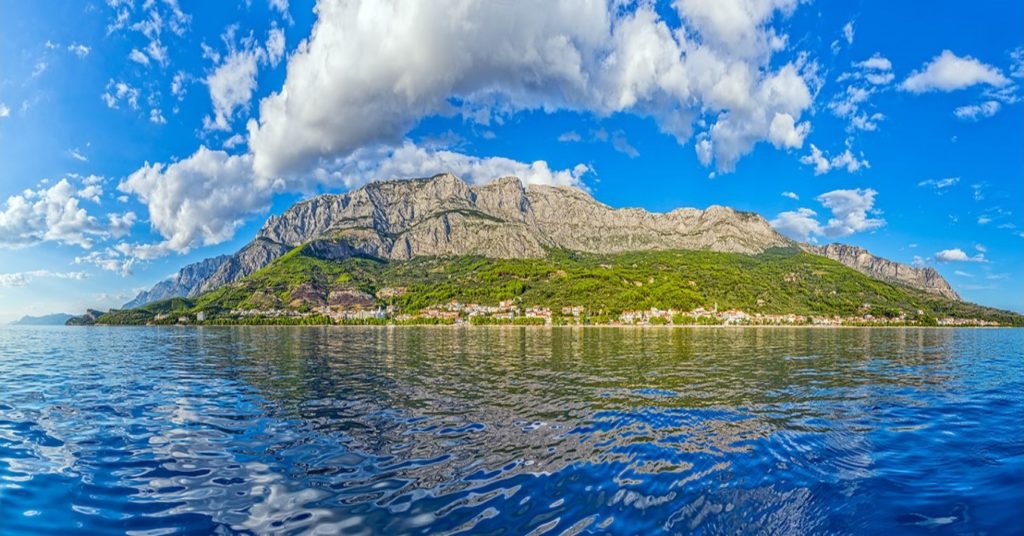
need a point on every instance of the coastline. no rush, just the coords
(534, 327)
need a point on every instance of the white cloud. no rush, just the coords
(570, 136)
(109, 260)
(200, 200)
(155, 17)
(77, 155)
(850, 209)
(20, 279)
(4, 110)
(280, 5)
(785, 133)
(79, 49)
(948, 72)
(138, 56)
(275, 46)
(791, 195)
(157, 117)
(940, 184)
(801, 224)
(622, 145)
(204, 198)
(962, 273)
(848, 32)
(234, 141)
(850, 214)
(958, 255)
(983, 220)
(498, 58)
(973, 112)
(39, 69)
(120, 92)
(50, 214)
(823, 163)
(877, 62)
(409, 161)
(868, 78)
(981, 248)
(233, 82)
(231, 87)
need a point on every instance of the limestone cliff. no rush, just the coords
(442, 215)
(884, 269)
(184, 283)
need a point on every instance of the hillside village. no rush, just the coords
(513, 312)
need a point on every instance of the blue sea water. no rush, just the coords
(272, 430)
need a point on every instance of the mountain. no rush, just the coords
(444, 216)
(87, 319)
(184, 283)
(863, 261)
(56, 319)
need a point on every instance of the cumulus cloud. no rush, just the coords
(79, 49)
(949, 72)
(120, 92)
(20, 279)
(490, 58)
(409, 161)
(52, 214)
(958, 255)
(5, 111)
(851, 210)
(791, 195)
(801, 224)
(974, 112)
(233, 82)
(823, 163)
(200, 200)
(868, 78)
(151, 21)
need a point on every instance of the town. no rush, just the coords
(512, 312)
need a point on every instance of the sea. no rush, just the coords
(511, 430)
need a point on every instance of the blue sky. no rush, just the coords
(137, 137)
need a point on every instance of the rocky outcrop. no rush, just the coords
(88, 319)
(252, 257)
(185, 283)
(863, 261)
(442, 215)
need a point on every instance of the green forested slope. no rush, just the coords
(779, 281)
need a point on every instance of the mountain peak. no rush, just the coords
(442, 215)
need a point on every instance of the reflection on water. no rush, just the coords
(510, 430)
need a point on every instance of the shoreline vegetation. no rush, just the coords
(782, 287)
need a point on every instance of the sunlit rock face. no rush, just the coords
(884, 269)
(444, 216)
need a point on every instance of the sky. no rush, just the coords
(140, 136)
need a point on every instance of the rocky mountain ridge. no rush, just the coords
(863, 261)
(185, 283)
(445, 216)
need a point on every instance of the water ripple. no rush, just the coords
(524, 431)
